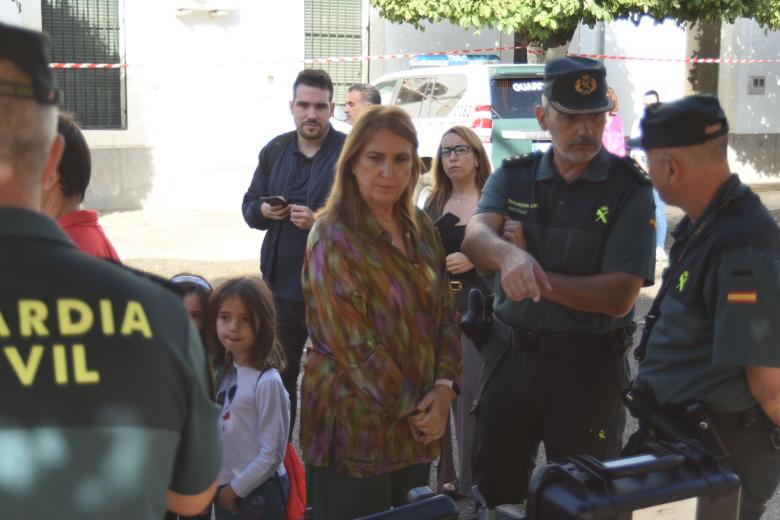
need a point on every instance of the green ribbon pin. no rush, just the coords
(682, 281)
(601, 214)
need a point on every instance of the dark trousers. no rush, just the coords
(291, 328)
(266, 502)
(568, 400)
(754, 459)
(336, 496)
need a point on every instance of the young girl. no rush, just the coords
(194, 291)
(255, 417)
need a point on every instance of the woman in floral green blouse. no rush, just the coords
(385, 342)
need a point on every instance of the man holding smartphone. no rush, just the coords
(292, 180)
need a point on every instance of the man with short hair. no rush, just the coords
(712, 336)
(554, 364)
(64, 193)
(106, 392)
(360, 97)
(292, 180)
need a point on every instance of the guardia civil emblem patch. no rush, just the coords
(586, 85)
(602, 214)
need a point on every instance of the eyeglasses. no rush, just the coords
(461, 149)
(230, 394)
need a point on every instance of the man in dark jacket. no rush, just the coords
(292, 180)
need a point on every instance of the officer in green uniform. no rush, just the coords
(106, 409)
(713, 334)
(555, 362)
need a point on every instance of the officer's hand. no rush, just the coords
(301, 216)
(513, 233)
(434, 410)
(274, 212)
(227, 498)
(522, 277)
(458, 263)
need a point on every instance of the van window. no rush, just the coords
(412, 93)
(444, 94)
(386, 89)
(515, 98)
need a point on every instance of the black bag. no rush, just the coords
(667, 477)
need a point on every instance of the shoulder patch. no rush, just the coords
(638, 172)
(521, 160)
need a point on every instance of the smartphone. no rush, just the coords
(276, 200)
(447, 220)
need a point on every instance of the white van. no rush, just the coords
(495, 100)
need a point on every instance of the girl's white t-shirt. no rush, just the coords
(254, 426)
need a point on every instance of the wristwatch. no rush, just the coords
(449, 383)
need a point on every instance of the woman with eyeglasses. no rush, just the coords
(379, 378)
(460, 170)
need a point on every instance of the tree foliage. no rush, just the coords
(552, 22)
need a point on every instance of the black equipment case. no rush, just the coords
(669, 482)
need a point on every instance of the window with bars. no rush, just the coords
(87, 31)
(333, 28)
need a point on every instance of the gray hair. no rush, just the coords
(368, 93)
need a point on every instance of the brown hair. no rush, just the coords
(345, 204)
(267, 351)
(612, 95)
(442, 185)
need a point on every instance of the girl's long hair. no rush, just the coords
(442, 185)
(267, 351)
(345, 204)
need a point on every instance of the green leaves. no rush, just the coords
(552, 22)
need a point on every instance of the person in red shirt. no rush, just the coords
(64, 193)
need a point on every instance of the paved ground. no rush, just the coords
(217, 245)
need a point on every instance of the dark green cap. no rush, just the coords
(576, 85)
(28, 51)
(682, 122)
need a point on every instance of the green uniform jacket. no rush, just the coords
(104, 384)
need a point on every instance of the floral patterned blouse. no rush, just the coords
(383, 329)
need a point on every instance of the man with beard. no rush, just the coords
(579, 224)
(293, 178)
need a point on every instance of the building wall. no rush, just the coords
(393, 38)
(203, 95)
(9, 13)
(754, 150)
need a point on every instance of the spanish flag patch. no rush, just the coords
(741, 296)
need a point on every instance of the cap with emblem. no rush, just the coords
(576, 85)
(688, 121)
(28, 51)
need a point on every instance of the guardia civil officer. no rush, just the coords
(106, 410)
(554, 364)
(716, 334)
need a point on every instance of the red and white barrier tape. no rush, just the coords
(381, 57)
(88, 65)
